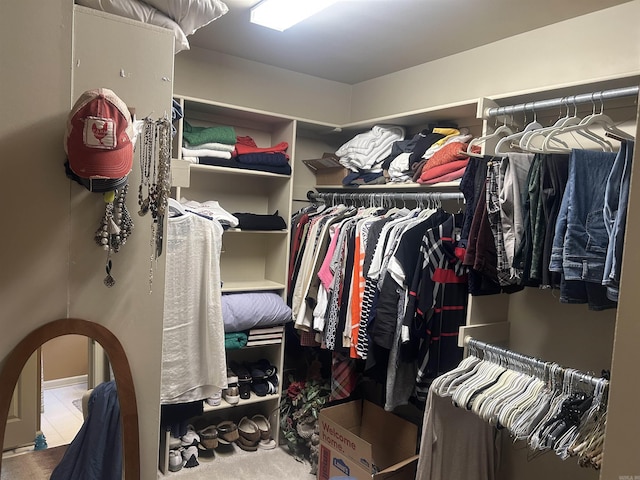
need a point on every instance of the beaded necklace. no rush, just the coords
(155, 171)
(116, 226)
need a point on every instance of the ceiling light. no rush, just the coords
(282, 14)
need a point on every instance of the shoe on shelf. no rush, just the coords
(215, 399)
(263, 426)
(209, 437)
(249, 430)
(190, 457)
(272, 385)
(227, 432)
(231, 394)
(246, 445)
(190, 438)
(267, 367)
(244, 380)
(260, 387)
(267, 444)
(175, 460)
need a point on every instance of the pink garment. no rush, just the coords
(445, 169)
(324, 274)
(447, 177)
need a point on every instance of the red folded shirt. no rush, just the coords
(450, 152)
(447, 177)
(441, 170)
(242, 148)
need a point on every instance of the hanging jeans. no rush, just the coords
(580, 242)
(555, 170)
(615, 216)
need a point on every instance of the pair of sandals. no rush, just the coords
(254, 433)
(225, 433)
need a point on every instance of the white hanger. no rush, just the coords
(532, 141)
(175, 207)
(585, 128)
(510, 140)
(501, 131)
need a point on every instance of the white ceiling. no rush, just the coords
(357, 40)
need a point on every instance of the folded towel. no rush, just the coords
(235, 340)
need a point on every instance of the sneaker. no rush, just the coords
(231, 394)
(190, 457)
(215, 399)
(175, 460)
(190, 438)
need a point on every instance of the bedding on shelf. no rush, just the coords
(183, 17)
(244, 311)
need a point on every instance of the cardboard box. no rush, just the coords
(361, 440)
(328, 170)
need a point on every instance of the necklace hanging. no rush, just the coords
(155, 183)
(116, 226)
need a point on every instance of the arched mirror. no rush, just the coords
(26, 354)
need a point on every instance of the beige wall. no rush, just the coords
(601, 45)
(213, 76)
(64, 357)
(51, 266)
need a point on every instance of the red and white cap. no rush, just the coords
(99, 136)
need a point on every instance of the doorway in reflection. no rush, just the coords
(57, 376)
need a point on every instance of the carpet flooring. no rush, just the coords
(35, 465)
(236, 464)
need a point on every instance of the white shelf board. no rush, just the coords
(267, 232)
(253, 399)
(256, 285)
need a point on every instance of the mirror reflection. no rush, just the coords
(50, 404)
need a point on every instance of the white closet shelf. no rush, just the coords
(255, 285)
(181, 171)
(253, 399)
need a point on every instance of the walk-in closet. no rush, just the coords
(439, 254)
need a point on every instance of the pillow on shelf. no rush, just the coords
(244, 311)
(137, 10)
(191, 15)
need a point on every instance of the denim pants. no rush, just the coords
(615, 216)
(580, 241)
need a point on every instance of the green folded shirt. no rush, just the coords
(199, 135)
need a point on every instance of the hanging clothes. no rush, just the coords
(193, 354)
(363, 263)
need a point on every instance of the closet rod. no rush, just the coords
(563, 101)
(416, 196)
(531, 361)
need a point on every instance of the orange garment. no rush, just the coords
(448, 153)
(357, 294)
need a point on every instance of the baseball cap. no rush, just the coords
(98, 138)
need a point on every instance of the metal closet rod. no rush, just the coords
(563, 101)
(416, 196)
(530, 361)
